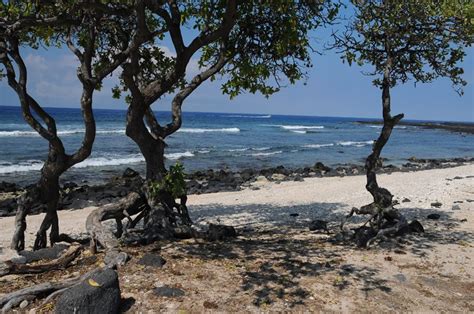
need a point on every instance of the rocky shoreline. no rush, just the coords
(458, 127)
(74, 196)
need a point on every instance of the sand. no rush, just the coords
(277, 264)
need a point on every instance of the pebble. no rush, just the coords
(456, 207)
(436, 204)
(23, 304)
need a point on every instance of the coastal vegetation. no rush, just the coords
(402, 40)
(248, 46)
(91, 36)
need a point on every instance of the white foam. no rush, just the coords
(179, 155)
(19, 133)
(104, 161)
(318, 145)
(301, 127)
(247, 116)
(238, 149)
(200, 130)
(357, 144)
(267, 154)
(22, 167)
(261, 148)
(298, 131)
(381, 126)
(36, 165)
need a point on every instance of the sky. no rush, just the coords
(332, 89)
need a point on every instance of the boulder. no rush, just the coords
(49, 253)
(321, 167)
(153, 260)
(416, 226)
(220, 232)
(298, 178)
(8, 187)
(318, 225)
(87, 298)
(130, 173)
(433, 216)
(278, 177)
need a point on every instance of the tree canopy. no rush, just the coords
(418, 40)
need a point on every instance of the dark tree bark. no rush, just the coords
(151, 140)
(381, 210)
(382, 197)
(62, 262)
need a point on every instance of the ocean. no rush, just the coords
(218, 140)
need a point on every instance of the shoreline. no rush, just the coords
(80, 195)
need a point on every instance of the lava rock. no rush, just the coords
(406, 200)
(321, 167)
(416, 226)
(456, 207)
(433, 216)
(70, 185)
(8, 187)
(298, 178)
(294, 215)
(318, 225)
(130, 173)
(153, 260)
(84, 298)
(220, 232)
(278, 177)
(169, 292)
(44, 254)
(436, 204)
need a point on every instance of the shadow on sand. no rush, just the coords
(277, 253)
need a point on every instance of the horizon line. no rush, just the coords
(266, 114)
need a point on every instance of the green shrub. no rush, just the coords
(172, 183)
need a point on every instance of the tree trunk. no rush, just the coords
(151, 147)
(49, 188)
(154, 153)
(382, 197)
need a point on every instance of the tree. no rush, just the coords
(89, 29)
(254, 45)
(402, 41)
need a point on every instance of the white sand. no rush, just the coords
(314, 198)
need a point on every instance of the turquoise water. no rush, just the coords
(216, 140)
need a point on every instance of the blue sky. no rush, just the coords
(333, 89)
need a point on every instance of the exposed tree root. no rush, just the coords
(384, 222)
(10, 268)
(126, 207)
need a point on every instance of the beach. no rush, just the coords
(277, 264)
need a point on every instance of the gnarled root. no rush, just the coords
(383, 221)
(126, 207)
(9, 268)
